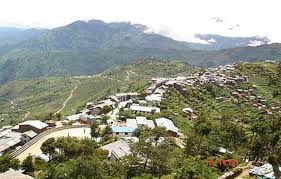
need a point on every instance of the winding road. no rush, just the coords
(66, 101)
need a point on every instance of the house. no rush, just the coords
(89, 118)
(27, 136)
(74, 117)
(131, 123)
(122, 131)
(126, 96)
(34, 125)
(9, 140)
(117, 150)
(169, 125)
(187, 111)
(142, 121)
(89, 105)
(98, 108)
(13, 174)
(144, 109)
(154, 98)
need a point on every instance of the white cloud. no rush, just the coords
(179, 19)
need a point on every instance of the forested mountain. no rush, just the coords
(11, 37)
(86, 48)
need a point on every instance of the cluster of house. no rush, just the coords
(127, 129)
(14, 137)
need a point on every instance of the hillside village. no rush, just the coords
(113, 112)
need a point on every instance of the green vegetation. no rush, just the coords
(37, 97)
(267, 78)
(7, 162)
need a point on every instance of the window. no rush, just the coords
(126, 133)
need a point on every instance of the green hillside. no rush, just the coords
(41, 96)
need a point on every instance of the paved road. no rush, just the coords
(35, 150)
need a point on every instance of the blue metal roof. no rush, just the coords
(123, 129)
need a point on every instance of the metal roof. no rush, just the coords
(123, 129)
(167, 123)
(119, 148)
(131, 123)
(137, 107)
(35, 123)
(30, 134)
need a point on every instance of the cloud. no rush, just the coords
(179, 19)
(217, 19)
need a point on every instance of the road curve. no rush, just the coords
(34, 148)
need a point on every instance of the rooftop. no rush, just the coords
(167, 123)
(123, 129)
(119, 148)
(35, 123)
(30, 134)
(137, 107)
(13, 174)
(131, 123)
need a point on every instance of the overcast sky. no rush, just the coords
(179, 19)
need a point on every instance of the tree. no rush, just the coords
(147, 154)
(48, 147)
(194, 167)
(106, 131)
(7, 162)
(58, 116)
(27, 165)
(106, 109)
(94, 129)
(104, 119)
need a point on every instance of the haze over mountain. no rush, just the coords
(217, 42)
(10, 37)
(85, 48)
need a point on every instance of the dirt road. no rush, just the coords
(65, 102)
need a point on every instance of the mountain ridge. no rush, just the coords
(87, 48)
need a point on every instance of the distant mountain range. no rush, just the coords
(84, 48)
(217, 42)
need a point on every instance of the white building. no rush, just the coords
(169, 125)
(144, 109)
